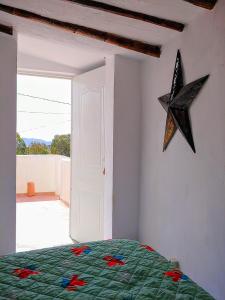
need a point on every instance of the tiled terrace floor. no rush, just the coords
(37, 197)
(42, 224)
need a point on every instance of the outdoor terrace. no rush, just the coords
(43, 219)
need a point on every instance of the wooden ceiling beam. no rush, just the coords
(6, 29)
(103, 36)
(130, 14)
(208, 4)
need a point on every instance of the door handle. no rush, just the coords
(103, 172)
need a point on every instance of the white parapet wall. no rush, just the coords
(63, 178)
(50, 173)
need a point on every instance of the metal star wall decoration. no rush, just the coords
(177, 103)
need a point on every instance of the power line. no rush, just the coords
(43, 99)
(44, 126)
(41, 112)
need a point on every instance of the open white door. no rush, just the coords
(88, 156)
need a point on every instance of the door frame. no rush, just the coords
(109, 110)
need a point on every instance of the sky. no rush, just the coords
(38, 118)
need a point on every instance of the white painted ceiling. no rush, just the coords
(63, 48)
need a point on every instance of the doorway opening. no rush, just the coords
(43, 161)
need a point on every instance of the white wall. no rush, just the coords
(182, 212)
(41, 169)
(126, 147)
(8, 53)
(50, 173)
(64, 184)
(32, 65)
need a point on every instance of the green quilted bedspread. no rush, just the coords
(113, 269)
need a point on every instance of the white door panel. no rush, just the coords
(88, 155)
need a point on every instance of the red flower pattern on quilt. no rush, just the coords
(24, 273)
(71, 285)
(114, 260)
(176, 275)
(79, 250)
(150, 249)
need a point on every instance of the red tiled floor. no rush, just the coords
(38, 197)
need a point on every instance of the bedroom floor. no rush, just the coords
(42, 224)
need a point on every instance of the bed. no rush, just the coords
(112, 269)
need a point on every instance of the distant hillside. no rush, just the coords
(29, 141)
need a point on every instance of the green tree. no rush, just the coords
(61, 145)
(21, 147)
(38, 148)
